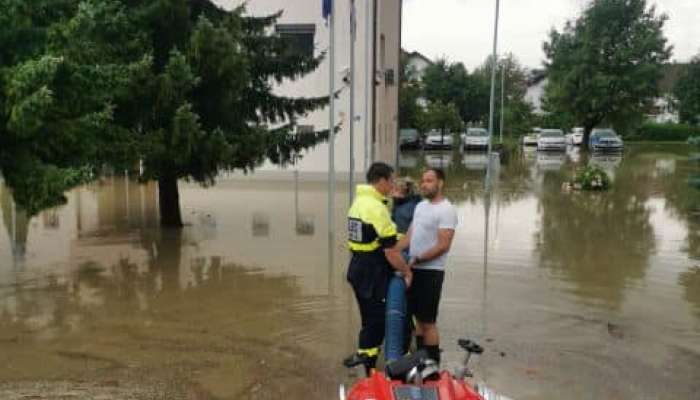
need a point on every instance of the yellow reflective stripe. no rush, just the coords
(364, 247)
(373, 352)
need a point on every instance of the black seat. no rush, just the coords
(470, 346)
(399, 369)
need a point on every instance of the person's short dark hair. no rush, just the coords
(377, 171)
(439, 173)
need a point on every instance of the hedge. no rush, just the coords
(664, 132)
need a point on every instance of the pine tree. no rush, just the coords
(182, 87)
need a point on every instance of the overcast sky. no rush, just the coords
(462, 30)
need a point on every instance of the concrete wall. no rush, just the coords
(317, 83)
(388, 59)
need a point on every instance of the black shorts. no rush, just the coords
(424, 295)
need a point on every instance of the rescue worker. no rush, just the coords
(372, 239)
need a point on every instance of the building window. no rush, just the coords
(300, 37)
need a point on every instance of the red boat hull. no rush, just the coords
(378, 387)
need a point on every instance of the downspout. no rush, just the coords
(374, 83)
(398, 85)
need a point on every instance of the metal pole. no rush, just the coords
(494, 65)
(331, 133)
(368, 79)
(353, 36)
(503, 96)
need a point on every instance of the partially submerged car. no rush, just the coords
(551, 139)
(605, 139)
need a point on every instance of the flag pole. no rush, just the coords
(329, 13)
(353, 35)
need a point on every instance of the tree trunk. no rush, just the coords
(586, 136)
(169, 198)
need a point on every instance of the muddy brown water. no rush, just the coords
(574, 295)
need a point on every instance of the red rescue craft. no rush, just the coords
(416, 377)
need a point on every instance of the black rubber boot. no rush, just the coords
(370, 364)
(357, 359)
(419, 342)
(434, 353)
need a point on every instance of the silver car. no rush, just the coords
(551, 139)
(437, 141)
(476, 138)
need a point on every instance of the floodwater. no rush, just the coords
(574, 295)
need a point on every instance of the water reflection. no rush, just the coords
(607, 162)
(475, 161)
(550, 161)
(16, 224)
(210, 334)
(441, 159)
(603, 284)
(601, 243)
(690, 281)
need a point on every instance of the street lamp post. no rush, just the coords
(494, 63)
(503, 96)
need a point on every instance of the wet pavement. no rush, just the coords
(574, 295)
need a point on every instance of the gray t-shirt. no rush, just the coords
(427, 220)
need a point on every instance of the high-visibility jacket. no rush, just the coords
(370, 227)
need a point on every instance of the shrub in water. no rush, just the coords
(592, 178)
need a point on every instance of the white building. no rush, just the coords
(537, 83)
(417, 62)
(663, 111)
(378, 58)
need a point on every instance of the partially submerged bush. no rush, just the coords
(592, 178)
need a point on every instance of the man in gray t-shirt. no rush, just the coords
(430, 239)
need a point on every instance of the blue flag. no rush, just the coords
(327, 9)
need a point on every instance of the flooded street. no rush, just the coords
(573, 295)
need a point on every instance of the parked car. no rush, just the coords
(437, 141)
(409, 139)
(605, 139)
(475, 138)
(531, 138)
(575, 138)
(551, 139)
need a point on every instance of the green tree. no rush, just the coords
(451, 83)
(410, 109)
(63, 66)
(209, 103)
(605, 65)
(518, 116)
(443, 117)
(687, 91)
(183, 87)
